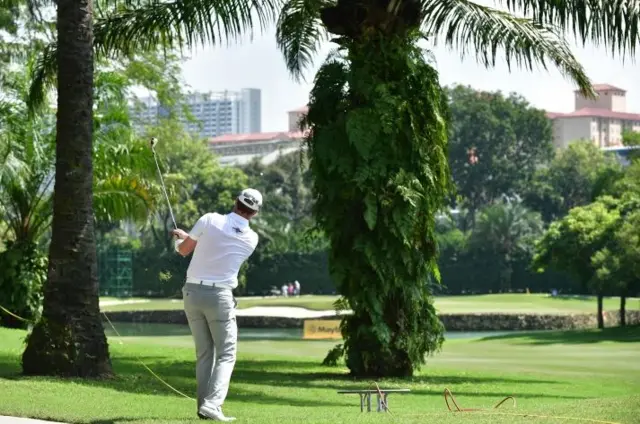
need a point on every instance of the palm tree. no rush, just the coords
(69, 338)
(378, 128)
(506, 230)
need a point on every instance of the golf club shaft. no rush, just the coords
(164, 189)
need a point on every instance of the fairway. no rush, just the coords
(592, 375)
(505, 303)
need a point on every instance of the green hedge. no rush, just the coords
(156, 272)
(311, 270)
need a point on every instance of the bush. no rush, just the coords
(23, 271)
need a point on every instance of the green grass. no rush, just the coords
(588, 374)
(516, 303)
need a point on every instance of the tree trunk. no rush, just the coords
(69, 339)
(623, 310)
(600, 317)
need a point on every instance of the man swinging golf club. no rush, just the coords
(220, 244)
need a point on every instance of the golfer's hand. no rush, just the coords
(181, 234)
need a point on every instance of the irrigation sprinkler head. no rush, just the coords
(153, 142)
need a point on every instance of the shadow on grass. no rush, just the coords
(628, 334)
(254, 381)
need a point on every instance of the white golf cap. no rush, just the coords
(251, 198)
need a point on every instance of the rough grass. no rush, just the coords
(586, 375)
(516, 303)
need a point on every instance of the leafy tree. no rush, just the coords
(496, 143)
(618, 262)
(631, 138)
(505, 232)
(122, 167)
(378, 125)
(378, 147)
(571, 244)
(576, 176)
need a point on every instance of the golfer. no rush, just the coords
(220, 244)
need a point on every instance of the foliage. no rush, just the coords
(23, 270)
(617, 263)
(571, 243)
(631, 138)
(353, 108)
(26, 174)
(376, 198)
(624, 254)
(576, 176)
(496, 143)
(131, 27)
(505, 232)
(137, 26)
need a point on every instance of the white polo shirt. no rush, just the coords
(224, 243)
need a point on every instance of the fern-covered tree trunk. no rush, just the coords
(377, 150)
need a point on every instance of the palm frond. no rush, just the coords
(466, 26)
(612, 23)
(299, 33)
(120, 197)
(180, 23)
(147, 25)
(43, 77)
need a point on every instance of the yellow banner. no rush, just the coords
(322, 329)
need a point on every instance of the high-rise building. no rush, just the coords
(214, 113)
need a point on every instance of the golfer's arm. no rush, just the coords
(187, 246)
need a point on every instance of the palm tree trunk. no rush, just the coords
(69, 339)
(600, 317)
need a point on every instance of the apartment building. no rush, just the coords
(602, 120)
(215, 113)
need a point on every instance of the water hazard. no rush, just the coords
(168, 330)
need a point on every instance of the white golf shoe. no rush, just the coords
(213, 414)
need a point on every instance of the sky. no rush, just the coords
(259, 64)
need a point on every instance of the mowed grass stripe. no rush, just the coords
(512, 303)
(585, 374)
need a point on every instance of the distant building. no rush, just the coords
(602, 120)
(216, 113)
(238, 149)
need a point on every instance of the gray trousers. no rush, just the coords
(212, 318)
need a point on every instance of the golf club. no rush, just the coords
(153, 143)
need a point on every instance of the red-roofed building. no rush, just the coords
(238, 149)
(602, 120)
